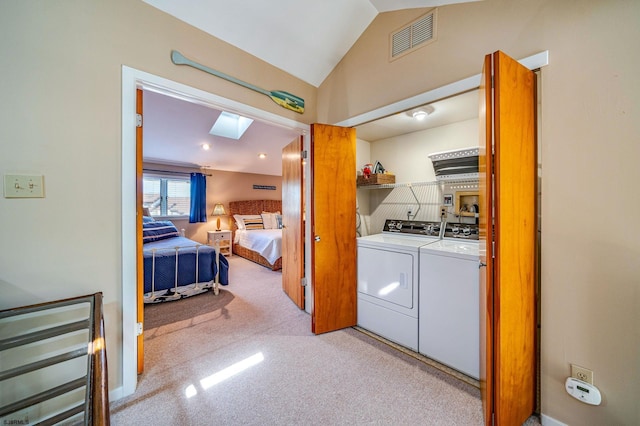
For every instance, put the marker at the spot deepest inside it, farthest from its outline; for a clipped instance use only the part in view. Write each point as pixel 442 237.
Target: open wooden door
pixel 139 259
pixel 486 238
pixel 292 229
pixel 333 227
pixel 508 204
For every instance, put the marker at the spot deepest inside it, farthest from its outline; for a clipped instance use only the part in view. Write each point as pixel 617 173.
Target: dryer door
pixel 387 276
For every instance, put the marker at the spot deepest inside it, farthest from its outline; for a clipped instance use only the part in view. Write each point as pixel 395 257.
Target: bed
pixel 262 246
pixel 199 267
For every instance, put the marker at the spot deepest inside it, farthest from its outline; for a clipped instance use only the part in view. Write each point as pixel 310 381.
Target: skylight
pixel 230 125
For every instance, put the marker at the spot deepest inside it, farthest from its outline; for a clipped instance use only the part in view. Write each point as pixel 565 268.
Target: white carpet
pixel 339 378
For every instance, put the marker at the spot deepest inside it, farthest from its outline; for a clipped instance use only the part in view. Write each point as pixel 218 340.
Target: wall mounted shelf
pixel 464 182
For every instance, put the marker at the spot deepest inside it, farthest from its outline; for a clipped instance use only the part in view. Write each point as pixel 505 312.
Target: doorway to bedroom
pixel 241 171
pixel 222 175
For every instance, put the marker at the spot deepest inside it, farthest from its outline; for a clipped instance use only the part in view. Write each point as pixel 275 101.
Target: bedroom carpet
pixel 248 357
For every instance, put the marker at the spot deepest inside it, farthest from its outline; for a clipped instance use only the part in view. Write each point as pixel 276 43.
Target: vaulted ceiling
pixel 306 38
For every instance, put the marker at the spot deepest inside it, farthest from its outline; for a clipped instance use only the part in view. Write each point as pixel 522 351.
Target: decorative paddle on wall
pixel 284 99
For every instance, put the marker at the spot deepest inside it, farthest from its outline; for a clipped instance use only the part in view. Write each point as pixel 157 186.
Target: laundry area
pixel 418 238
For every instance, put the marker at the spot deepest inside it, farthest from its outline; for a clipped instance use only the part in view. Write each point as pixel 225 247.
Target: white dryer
pixel 449 299
pixel 388 279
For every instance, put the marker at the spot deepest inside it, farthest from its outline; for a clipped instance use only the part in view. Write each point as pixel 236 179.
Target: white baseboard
pixel 550 421
pixel 115 394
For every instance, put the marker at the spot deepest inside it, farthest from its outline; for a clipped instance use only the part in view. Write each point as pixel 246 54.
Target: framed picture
pixel 448 200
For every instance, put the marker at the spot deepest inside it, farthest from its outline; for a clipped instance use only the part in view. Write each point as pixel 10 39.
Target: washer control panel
pixel 461 231
pixel 413 227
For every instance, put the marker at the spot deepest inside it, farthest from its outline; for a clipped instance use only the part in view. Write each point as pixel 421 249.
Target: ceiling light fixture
pixel 421 113
pixel 206 146
pixel 262 155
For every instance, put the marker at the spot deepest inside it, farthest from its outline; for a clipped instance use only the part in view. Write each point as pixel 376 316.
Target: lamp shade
pixel 218 210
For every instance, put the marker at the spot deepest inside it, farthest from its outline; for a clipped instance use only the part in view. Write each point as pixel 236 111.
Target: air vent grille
pixel 401 41
pixel 422 31
pixel 416 34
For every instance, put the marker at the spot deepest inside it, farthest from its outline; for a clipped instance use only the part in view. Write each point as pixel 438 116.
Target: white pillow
pixel 239 222
pixel 269 219
pixel 240 218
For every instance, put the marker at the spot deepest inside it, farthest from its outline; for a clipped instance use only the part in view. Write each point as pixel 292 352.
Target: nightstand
pixel 223 238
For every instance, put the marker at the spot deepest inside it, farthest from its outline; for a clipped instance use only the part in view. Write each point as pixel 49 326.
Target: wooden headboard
pixel 253 207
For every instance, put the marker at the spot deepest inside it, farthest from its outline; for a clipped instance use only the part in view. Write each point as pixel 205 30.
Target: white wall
pixel 363 156
pixel 407 156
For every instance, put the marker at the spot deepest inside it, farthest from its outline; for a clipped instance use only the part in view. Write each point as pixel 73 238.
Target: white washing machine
pixel 449 299
pixel 388 279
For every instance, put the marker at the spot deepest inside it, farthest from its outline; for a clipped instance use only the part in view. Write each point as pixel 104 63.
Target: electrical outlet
pixel 443 212
pixel 582 373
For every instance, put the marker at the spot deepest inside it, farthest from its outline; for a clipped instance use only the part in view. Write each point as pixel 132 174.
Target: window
pixel 166 195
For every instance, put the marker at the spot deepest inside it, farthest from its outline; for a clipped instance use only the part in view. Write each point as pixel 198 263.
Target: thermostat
pixel 583 391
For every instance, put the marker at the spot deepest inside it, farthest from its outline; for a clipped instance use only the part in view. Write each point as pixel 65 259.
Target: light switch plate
pixel 23 186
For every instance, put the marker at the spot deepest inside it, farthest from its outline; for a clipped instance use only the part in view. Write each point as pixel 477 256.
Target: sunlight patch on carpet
pixel 223 375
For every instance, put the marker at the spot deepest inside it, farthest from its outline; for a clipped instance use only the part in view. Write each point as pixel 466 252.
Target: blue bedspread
pixel 165 264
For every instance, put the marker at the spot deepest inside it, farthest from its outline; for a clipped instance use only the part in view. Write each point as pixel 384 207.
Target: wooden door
pixel 486 239
pixel 293 228
pixel 333 227
pixel 139 260
pixel 509 297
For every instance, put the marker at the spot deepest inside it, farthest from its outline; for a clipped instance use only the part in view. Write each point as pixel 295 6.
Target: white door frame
pixel 133 79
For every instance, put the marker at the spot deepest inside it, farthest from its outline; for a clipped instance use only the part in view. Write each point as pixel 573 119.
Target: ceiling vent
pixel 413 36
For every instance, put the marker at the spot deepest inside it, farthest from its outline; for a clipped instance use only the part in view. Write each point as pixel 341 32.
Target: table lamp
pixel 218 210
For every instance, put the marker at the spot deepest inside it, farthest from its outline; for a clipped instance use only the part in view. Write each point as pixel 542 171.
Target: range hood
pixel 456 164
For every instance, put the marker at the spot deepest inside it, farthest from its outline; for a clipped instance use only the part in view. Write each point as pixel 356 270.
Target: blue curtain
pixel 198 211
